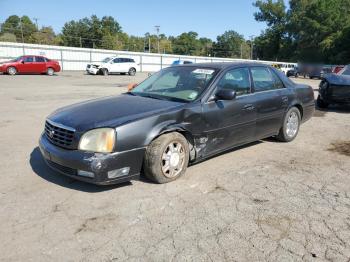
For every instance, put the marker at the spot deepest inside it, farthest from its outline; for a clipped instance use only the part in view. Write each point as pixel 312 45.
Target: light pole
pixel 251 46
pixel 157 29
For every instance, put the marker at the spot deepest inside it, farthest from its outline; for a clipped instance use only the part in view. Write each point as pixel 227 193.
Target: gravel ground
pixel 265 201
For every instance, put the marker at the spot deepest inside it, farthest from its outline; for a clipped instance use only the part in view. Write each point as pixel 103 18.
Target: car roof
pixel 225 65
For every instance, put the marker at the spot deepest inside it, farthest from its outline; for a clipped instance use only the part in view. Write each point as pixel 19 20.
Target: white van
pixel 286 67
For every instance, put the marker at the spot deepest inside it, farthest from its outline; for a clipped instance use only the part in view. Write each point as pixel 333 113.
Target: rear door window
pixel 262 79
pixel 39 59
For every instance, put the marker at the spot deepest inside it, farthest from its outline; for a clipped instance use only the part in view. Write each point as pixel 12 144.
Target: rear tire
pixel 321 103
pixel 132 71
pixel 291 124
pixel 50 71
pixel 166 158
pixel 12 71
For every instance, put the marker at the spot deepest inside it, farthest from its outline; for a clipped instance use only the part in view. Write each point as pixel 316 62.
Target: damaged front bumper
pixel 95 168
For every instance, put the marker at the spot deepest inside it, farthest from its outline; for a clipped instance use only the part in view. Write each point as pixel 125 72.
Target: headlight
pixel 100 140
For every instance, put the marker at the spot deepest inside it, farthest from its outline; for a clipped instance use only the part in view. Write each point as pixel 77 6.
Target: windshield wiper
pixel 151 96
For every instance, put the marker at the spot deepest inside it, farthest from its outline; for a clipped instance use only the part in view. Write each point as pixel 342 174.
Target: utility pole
pixel 21 27
pixel 36 22
pixel 241 50
pixel 251 46
pixel 149 44
pixel 157 29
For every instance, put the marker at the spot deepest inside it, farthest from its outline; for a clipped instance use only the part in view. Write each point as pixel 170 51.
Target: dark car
pixel 181 62
pixel 319 72
pixel 30 64
pixel 293 72
pixel 179 115
pixel 335 89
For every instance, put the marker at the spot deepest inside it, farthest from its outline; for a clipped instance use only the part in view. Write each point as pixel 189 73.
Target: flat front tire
pixel 291 124
pixel 12 70
pixel 104 71
pixel 166 158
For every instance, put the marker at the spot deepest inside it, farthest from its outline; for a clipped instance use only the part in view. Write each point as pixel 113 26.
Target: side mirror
pixel 224 94
pixel 131 86
pixel 22 62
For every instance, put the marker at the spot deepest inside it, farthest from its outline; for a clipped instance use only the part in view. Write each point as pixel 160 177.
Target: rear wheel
pixel 132 71
pixel 12 70
pixel 50 71
pixel 321 103
pixel 166 158
pixel 291 124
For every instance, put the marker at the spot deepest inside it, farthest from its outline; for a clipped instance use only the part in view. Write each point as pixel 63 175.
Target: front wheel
pixel 166 158
pixel 132 71
pixel 291 124
pixel 50 71
pixel 104 71
pixel 12 70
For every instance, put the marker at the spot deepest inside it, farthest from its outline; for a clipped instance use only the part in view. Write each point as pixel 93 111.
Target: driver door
pixel 232 122
pixel 27 65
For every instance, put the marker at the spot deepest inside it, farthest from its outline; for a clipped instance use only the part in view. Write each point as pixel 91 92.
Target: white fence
pixel 72 58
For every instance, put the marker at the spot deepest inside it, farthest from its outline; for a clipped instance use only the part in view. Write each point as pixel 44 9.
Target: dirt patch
pixel 319 113
pixel 341 147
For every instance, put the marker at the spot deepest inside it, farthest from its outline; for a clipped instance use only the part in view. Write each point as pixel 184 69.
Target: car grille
pixel 59 135
pixel 63 169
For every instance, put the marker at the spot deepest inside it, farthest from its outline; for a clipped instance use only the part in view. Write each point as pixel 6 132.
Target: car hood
pixel 110 111
pixel 335 79
pixel 97 64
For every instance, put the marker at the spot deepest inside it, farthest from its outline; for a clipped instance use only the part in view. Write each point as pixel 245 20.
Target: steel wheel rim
pixel 50 71
pixel 132 71
pixel 292 124
pixel 173 159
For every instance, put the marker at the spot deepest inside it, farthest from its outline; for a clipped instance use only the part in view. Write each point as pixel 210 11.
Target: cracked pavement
pixel 267 201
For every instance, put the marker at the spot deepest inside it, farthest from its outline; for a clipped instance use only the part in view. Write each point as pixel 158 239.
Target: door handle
pixel 285 99
pixel 248 107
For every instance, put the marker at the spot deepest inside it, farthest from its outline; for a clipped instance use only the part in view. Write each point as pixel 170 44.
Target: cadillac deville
pixel 178 116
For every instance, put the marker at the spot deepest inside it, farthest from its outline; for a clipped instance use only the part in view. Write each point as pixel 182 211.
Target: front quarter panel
pixel 142 132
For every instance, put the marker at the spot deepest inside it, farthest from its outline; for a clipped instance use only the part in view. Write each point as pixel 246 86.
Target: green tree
pixel 229 44
pixel 186 44
pixel 270 43
pixel 19 26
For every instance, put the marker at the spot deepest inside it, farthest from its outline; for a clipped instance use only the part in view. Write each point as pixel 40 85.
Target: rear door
pixel 124 65
pixel 271 101
pixel 40 64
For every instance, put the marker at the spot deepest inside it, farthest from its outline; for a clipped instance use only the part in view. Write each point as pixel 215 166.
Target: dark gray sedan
pixel 180 115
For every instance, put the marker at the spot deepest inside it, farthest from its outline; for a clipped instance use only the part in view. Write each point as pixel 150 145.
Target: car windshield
pixel 106 59
pixel 345 71
pixel 183 84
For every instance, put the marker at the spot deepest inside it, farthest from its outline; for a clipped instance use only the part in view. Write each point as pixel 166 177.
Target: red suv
pixel 30 64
